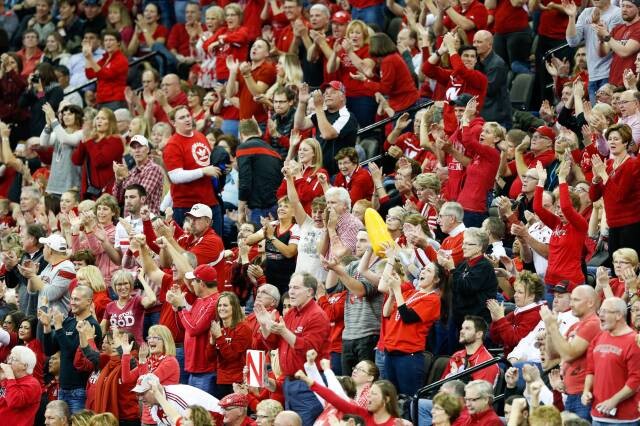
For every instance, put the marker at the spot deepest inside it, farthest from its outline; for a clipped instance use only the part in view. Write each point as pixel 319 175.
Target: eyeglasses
pixel 473 399
pixel 122 283
pixel 529 177
pixel 362 370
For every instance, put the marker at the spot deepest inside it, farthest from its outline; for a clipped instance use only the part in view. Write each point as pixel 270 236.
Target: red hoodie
pixel 509 330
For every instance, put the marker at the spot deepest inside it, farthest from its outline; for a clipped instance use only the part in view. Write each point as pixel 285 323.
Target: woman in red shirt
pixel 617 184
pixel 147 32
pixel 110 71
pixel 230 338
pixel 382 404
pixel 410 313
pixel 529 297
pixel 566 246
pixel 348 58
pixel 230 40
pixel 307 183
pixel 161 361
pixel 97 153
pixel 396 82
pixel 625 283
pixel 27 334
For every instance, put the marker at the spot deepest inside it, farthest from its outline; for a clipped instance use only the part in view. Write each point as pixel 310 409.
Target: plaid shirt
pixel 347 229
pixel 150 176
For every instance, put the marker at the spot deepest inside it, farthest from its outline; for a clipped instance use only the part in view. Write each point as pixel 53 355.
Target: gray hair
pixel 341 193
pixel 32 191
pixel 454 387
pixel 479 236
pixel 454 209
pixel 617 304
pixel 484 388
pixel 322 8
pixel 26 356
pixel 60 408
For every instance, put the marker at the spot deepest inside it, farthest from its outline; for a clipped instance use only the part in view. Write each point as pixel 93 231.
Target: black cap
pixel 462 100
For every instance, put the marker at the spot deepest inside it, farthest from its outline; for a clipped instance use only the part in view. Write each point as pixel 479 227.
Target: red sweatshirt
pixel 566 245
pixel 458 80
pixel 509 330
pixel 621 193
pixel 112 77
pixel 395 82
pixel 228 352
pixel 20 400
pixel 96 159
pixel 359 184
pixel 236 44
pixel 307 186
pixel 196 323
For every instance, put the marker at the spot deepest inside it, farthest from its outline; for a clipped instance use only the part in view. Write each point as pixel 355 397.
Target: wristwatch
pixel 607 37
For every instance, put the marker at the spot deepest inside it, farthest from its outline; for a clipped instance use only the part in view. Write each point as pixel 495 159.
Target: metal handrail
pixel 394 117
pixel 426 389
pixel 132 63
pixel 554 50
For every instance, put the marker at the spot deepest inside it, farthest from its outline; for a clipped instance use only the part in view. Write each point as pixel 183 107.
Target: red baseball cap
pixel 547 132
pixel 341 17
pixel 205 273
pixel 334 84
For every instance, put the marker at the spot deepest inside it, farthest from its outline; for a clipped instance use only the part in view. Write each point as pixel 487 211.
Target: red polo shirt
pixel 311 326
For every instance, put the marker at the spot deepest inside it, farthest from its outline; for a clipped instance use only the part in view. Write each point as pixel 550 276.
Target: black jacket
pixel 472 286
pixel 259 173
pixel 497 104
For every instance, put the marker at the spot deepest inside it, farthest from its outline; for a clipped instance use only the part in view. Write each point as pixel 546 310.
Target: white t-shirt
pixel 308 259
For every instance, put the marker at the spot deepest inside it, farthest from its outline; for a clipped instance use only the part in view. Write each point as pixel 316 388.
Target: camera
pixel 35 78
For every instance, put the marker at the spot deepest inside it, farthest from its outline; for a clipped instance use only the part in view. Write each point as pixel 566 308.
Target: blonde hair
pixel 93 276
pixel 317 152
pixel 235 7
pixel 125 18
pixel 271 407
pixel 109 201
pixel 168 344
pixel 103 419
pixel 628 254
pixel 427 181
pixel 364 28
pixel 122 275
pixel 497 130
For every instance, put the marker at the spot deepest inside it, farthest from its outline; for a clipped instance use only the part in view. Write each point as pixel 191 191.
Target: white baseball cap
pixel 144 383
pixel 55 242
pixel 200 210
pixel 140 139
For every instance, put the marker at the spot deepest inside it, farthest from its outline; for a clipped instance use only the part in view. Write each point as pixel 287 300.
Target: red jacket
pixel 458 80
pixel 360 185
pixel 20 400
pixel 509 330
pixel 621 194
pixel 480 173
pixel 96 159
pixel 457 173
pixel 395 82
pixel 461 361
pixel 196 323
pixel 112 77
pixel 228 352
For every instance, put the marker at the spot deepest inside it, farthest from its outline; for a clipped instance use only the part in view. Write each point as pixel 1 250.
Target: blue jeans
pixel 370 15
pixel 184 376
pixel 230 127
pixel 179 213
pixel 574 405
pixel 380 356
pixel 179 7
pixel 256 214
pixel 75 398
pixel 406 372
pixel 203 381
pixel 363 107
pixel 299 398
pixel 171 64
pixel 474 219
pixel 336 363
pixel 593 88
pixel 424 412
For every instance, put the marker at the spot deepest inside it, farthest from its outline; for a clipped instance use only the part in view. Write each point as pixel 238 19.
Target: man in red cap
pixel 335 126
pixel 196 321
pixel 540 149
pixel 323 42
pixel 234 406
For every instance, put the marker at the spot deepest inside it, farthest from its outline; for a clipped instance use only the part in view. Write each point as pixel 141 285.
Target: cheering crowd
pixel 206 219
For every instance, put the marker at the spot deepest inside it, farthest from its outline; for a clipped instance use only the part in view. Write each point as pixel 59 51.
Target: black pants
pixel 356 350
pixel 624 236
pixel 513 46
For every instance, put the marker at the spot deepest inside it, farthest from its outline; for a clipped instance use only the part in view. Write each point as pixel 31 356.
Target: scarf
pixel 106 399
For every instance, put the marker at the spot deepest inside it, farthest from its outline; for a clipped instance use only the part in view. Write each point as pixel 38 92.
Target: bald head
pixel 583 301
pixel 483 42
pixel 170 85
pixel 287 418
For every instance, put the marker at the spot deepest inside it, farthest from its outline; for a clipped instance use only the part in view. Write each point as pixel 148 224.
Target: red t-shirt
pixel 614 360
pixel 574 372
pixel 476 12
pixel 509 19
pixel 265 73
pixel 623 33
pixel 410 338
pixel 553 23
pixel 333 306
pixel 189 153
pixel 128 318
